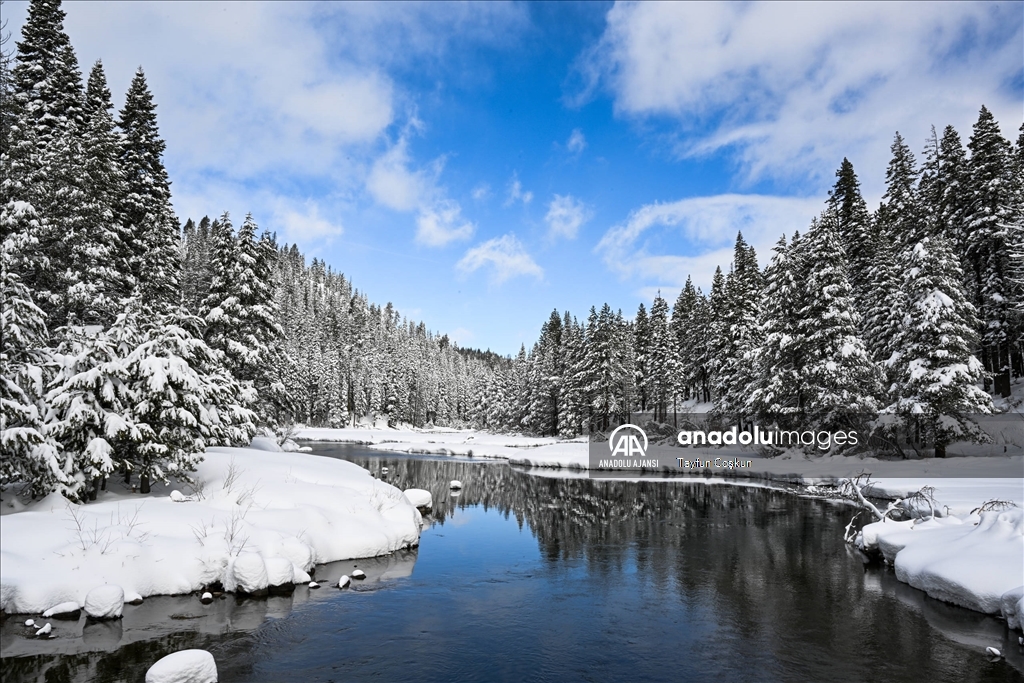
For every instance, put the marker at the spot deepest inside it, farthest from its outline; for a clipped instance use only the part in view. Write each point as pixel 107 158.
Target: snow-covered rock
pixel 65 610
pixel 1012 607
pixel 185 666
pixel 206 598
pixel 993 651
pixel 314 584
pixel 358 574
pixel 246 573
pixel 104 602
pixel 44 631
pixel 455 485
pixel 30 622
pixel 420 498
pixel 344 581
pixel 280 573
pixel 178 497
pixel 972 562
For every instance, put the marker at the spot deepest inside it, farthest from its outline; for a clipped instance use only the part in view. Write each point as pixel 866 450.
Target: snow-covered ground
pixel 972 560
pixel 260 519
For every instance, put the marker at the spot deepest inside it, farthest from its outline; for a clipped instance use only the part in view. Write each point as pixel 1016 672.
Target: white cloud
pixel 441 224
pixel 565 216
pixel 793 88
pixel 506 257
pixel 392 184
pixel 516 193
pixel 307 225
pixel 708 225
pixel 461 336
pixel 577 142
pixel 481 192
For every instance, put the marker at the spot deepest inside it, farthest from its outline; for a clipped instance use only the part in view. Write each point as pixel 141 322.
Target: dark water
pixel 532 578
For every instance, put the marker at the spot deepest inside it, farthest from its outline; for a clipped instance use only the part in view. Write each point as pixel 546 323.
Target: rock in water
pixel 104 602
pixel 455 485
pixel 314 584
pixel 344 581
pixel 419 498
pixel 65 610
pixel 358 574
pixel 45 631
pixel 993 651
pixel 30 622
pixel 185 666
pixel 206 598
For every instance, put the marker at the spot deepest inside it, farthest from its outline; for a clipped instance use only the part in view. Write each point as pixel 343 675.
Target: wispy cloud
pixel 701 232
pixel 791 89
pixel 442 224
pixel 504 256
pixel 566 214
pixel 516 193
pixel 576 142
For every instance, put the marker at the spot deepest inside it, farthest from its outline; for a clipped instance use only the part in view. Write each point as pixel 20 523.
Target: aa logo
pixel 624 442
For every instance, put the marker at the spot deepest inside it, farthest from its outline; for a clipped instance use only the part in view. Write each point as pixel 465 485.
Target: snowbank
pixel 259 517
pixel 421 498
pixel 185 666
pixel 975 562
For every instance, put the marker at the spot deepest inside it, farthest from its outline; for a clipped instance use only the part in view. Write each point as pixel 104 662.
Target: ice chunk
pixel 185 666
pixel 105 602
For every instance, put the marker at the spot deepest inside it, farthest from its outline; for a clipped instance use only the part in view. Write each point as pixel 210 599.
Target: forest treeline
pixel 131 342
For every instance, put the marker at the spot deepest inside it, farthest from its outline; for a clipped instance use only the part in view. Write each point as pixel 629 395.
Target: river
pixel 524 576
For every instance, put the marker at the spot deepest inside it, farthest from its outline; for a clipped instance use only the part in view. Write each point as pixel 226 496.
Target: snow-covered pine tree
pixel 899 226
pixel 839 380
pixel 717 333
pixel 146 208
pixel 661 360
pixel 572 407
pixel 547 372
pixel 28 454
pixel 855 229
pixel 43 152
pixel 682 314
pixel 100 250
pixel 642 357
pixel 778 394
pixel 936 374
pixel 739 330
pixel 91 402
pixel 988 220
pixel 183 398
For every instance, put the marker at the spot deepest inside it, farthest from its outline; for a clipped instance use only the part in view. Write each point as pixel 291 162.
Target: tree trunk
pixel 143 483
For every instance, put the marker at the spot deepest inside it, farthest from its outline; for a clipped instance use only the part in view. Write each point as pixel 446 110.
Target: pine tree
pixel 642 354
pixel 28 454
pixel 936 372
pixel 685 339
pixel 855 230
pixel 989 219
pixel 146 207
pixel 778 394
pixel 661 361
pixel 547 377
pixel 739 336
pixel 839 379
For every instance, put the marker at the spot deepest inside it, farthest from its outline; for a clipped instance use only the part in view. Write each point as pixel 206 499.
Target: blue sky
pixel 480 164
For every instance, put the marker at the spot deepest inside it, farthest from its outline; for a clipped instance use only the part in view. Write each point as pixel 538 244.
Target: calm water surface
pixel 526 577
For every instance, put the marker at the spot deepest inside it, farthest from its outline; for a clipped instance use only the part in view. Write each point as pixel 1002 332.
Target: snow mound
pixel 265 443
pixel 105 602
pixel 975 562
pixel 246 573
pixel 63 609
pixel 263 517
pixel 1012 607
pixel 186 666
pixel 420 498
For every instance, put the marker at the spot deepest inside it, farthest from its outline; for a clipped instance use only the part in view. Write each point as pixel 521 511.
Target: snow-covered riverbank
pixel 970 559
pixel 259 519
